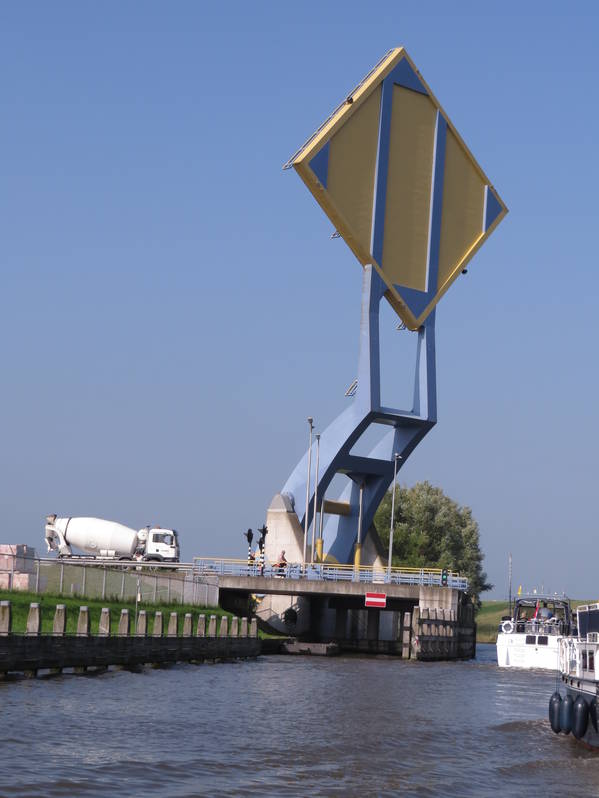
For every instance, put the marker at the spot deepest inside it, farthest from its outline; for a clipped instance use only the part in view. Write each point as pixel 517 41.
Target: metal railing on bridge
pixel 328 571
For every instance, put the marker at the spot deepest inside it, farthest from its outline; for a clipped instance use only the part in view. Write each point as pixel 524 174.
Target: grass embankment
pixel 489 617
pixel 20 601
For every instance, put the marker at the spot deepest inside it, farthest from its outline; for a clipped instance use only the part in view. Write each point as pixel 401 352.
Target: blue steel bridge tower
pixel 370 476
pixel 405 193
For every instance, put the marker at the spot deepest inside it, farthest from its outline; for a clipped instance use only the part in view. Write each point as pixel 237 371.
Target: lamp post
pixel 319 541
pixel 396 460
pixel 315 495
pixel 311 425
pixel 358 546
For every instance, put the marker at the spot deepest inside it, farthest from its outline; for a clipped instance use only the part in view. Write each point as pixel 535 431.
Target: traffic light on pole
pixel 444 577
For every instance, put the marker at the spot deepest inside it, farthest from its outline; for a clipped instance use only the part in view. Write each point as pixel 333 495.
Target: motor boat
pixel 573 708
pixel 529 638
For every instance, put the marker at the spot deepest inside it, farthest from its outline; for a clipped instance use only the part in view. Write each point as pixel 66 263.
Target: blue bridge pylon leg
pixel 372 473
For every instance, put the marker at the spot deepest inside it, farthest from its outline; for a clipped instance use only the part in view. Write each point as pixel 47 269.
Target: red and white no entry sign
pixel 376 600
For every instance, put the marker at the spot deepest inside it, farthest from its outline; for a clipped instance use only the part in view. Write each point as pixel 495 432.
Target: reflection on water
pixel 289 726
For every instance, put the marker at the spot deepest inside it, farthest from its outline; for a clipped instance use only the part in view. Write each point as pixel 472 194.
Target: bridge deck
pixel 324 578
pixel 313 587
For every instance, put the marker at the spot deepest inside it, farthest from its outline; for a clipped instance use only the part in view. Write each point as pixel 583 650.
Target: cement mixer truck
pixel 109 540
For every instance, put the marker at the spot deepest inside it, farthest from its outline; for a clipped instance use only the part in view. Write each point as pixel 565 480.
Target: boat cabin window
pixel 588 621
pixel 584 660
pixel 591 660
pixel 530 640
pixel 542 640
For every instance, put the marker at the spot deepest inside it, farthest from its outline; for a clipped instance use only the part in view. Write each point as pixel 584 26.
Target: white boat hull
pixel 514 652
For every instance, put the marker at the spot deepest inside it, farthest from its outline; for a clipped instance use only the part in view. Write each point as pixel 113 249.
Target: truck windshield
pixel 163 537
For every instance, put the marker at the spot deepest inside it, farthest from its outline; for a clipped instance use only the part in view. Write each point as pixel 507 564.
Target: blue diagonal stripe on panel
pixel 404 75
pixel 492 208
pixel 418 300
pixel 382 169
pixel 437 205
pixel 320 165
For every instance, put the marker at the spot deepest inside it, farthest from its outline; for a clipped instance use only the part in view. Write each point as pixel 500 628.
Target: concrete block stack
pixel 17 566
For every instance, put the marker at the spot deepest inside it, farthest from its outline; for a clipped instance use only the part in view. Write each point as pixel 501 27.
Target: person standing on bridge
pixel 282 562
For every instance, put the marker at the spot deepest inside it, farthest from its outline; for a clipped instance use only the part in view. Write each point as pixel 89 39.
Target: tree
pixel 431 530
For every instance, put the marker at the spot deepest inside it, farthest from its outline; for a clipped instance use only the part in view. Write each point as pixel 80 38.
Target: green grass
pixel 20 601
pixel 487 620
pixel 489 617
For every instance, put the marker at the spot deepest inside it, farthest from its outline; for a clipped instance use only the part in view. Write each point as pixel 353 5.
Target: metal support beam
pixel 406 429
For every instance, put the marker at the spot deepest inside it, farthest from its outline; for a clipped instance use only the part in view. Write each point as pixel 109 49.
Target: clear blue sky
pixel 173 308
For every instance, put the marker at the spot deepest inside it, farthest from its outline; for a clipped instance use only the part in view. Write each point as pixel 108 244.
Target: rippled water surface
pixel 289 726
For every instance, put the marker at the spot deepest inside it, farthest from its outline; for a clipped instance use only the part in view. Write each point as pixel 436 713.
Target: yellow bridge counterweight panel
pixel 352 162
pixel 400 185
pixel 463 204
pixel 407 212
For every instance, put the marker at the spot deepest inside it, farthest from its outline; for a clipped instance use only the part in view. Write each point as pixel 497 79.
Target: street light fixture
pixel 396 460
pixel 311 425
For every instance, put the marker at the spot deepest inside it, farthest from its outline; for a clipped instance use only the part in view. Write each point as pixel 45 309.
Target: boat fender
pixel 580 717
pixel 593 713
pixel 554 708
pixel 565 714
pixel 507 627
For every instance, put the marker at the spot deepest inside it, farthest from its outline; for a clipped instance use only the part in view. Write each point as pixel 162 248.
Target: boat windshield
pixel 530 614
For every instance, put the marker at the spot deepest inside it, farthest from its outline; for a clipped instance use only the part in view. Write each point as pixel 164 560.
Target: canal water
pixel 284 726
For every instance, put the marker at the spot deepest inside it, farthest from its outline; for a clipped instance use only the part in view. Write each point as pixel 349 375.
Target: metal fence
pixel 124 582
pixel 335 573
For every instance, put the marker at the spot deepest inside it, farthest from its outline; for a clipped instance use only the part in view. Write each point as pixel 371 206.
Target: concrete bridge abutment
pixel 419 621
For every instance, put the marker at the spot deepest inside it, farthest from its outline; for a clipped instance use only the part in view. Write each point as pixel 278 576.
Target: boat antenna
pixel 510 581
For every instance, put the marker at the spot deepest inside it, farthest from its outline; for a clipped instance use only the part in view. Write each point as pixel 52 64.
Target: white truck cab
pixel 158 544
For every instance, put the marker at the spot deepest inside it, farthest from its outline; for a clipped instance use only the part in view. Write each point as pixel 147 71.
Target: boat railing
pixel 552 626
pixel 579 657
pixel 569 656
